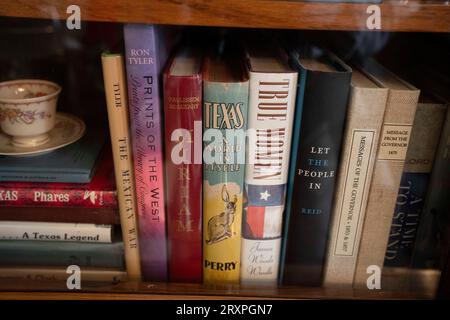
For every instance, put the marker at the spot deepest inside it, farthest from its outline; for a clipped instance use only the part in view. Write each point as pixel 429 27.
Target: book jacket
pixel 322 97
pixel 225 106
pixel 183 144
pixel 435 215
pixel 146 51
pixel 270 120
pixel 414 183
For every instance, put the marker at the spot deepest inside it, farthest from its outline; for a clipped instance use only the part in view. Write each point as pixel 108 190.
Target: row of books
pixel 59 209
pixel 265 165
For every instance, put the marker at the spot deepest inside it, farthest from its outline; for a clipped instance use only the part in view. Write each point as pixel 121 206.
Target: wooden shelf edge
pixel 142 291
pixel 396 15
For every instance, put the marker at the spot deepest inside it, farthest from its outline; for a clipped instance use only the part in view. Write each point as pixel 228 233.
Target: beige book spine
pixel 117 104
pixel 61 274
pixel 364 121
pixel 393 144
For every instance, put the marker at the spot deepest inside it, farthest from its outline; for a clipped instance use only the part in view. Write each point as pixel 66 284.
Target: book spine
pixel 117 104
pixel 49 253
pixel 183 134
pixel 270 120
pixel 364 120
pixel 71 215
pixel 414 183
pixel 59 198
pixel 393 144
pixel 142 61
pixel 17 273
pixel 223 180
pixel 62 177
pixel 313 174
pixel 47 231
pixel 436 208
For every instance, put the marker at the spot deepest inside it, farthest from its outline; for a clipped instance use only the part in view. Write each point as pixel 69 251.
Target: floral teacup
pixel 28 110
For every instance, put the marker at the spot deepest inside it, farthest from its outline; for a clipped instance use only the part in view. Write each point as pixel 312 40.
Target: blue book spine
pixel 408 209
pixel 408 212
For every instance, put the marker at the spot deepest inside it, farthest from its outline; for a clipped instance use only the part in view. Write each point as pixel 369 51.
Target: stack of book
pixel 60 209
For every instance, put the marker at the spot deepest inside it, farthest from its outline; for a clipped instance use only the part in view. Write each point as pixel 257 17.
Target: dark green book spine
pixel 48 253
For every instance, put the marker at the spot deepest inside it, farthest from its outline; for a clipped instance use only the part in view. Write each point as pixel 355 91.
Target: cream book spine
pixel 117 104
pixel 393 144
pixel 364 120
pixel 55 231
pixel 270 119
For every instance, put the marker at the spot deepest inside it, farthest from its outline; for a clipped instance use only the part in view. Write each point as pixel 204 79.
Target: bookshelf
pixel 404 16
pixel 397 15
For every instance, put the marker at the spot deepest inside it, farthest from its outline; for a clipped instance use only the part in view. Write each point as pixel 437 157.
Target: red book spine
pixel 29 196
pixel 100 193
pixel 183 126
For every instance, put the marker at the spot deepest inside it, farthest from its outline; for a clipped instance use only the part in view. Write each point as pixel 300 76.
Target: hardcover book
pixel 55 231
pixel 365 113
pixel 428 246
pixel 54 253
pixel 57 214
pixel 183 146
pixel 74 163
pixel 414 182
pixel 322 99
pixel 146 50
pixel 225 105
pixel 117 105
pixel 393 143
pixel 100 193
pixel 273 86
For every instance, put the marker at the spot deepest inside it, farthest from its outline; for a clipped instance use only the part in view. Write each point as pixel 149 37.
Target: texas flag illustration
pixel 262 222
pixel 263 213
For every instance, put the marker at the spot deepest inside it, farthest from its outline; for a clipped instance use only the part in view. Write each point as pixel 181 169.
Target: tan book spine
pixel 117 104
pixel 61 274
pixel 393 143
pixel 364 120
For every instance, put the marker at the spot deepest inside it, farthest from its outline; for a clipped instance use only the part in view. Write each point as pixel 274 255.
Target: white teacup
pixel 28 110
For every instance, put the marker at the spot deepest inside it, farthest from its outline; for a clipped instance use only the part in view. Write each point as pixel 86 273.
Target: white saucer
pixel 67 130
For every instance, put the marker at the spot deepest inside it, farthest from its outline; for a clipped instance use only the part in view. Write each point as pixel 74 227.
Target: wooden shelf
pixel 422 285
pixel 136 290
pixel 397 15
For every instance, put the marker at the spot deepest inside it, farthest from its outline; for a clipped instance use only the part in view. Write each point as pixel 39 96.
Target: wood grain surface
pixel 135 290
pixel 397 15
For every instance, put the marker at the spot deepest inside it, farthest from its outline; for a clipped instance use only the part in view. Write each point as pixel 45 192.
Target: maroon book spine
pixel 183 126
pixel 100 193
pixel 53 214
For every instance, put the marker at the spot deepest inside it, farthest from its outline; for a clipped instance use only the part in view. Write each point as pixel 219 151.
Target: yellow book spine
pixel 222 219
